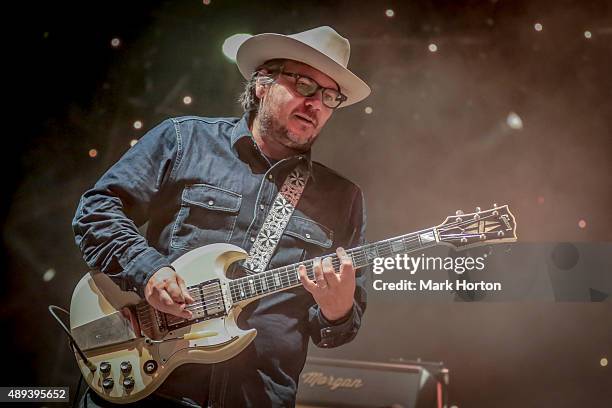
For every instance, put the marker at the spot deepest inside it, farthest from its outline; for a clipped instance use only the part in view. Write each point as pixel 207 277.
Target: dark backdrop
pixel 442 134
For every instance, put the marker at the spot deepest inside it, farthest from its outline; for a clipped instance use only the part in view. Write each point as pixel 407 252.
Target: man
pixel 199 181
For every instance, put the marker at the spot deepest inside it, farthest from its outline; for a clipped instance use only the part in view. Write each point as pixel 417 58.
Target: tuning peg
pixel 463 240
pixel 458 212
pixel 500 233
pixel 476 216
pixel 494 205
pixel 477 209
pixel 482 237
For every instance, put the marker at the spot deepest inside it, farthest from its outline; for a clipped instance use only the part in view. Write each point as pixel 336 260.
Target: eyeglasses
pixel 306 86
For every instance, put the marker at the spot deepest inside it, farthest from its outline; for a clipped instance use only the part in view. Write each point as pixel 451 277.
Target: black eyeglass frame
pixel 340 97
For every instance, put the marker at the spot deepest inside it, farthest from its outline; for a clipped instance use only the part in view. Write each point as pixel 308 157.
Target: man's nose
pixel 314 101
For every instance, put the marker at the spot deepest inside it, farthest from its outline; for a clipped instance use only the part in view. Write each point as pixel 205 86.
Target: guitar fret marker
pixel 427 237
pixel 397 246
pixel 251 286
pixel 372 253
pixel 264 284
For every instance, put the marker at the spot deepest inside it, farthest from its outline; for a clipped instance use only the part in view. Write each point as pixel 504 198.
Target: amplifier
pixel 333 383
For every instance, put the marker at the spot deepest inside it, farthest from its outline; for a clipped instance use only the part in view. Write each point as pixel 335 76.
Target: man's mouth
pixel 307 119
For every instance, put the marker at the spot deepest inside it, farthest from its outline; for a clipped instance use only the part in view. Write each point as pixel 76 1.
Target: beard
pixel 272 130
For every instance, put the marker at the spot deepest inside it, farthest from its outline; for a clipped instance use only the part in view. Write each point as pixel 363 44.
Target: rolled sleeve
pixel 333 334
pixel 137 273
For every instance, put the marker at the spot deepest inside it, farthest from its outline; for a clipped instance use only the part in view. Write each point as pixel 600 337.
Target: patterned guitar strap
pixel 272 229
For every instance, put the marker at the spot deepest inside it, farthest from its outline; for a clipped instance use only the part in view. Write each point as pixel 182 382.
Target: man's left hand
pixel 332 291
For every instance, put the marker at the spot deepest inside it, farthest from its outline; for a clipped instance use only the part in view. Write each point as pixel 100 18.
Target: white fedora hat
pixel 321 48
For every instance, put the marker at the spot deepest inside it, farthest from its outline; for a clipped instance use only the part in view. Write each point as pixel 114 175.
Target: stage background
pixel 473 102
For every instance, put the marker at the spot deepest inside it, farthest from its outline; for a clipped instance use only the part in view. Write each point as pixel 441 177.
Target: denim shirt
pixel 198 181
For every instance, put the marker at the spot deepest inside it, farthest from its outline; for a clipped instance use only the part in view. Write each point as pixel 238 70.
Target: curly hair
pixel 248 98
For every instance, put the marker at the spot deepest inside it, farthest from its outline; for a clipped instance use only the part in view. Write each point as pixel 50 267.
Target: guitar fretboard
pixel 286 277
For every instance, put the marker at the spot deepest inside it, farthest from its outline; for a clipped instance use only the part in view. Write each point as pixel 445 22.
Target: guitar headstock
pixel 478 228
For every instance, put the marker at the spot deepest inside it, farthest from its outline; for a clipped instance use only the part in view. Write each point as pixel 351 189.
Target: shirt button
pixel 261 206
pixel 308 236
pixel 252 239
pixel 270 177
pixel 211 202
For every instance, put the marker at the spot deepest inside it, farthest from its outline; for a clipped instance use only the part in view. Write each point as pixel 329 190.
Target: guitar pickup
pixel 208 304
pixel 212 297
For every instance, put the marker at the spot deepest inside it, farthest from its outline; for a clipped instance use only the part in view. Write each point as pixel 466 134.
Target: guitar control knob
pixel 108 383
pixel 128 383
pixel 105 367
pixel 126 367
pixel 150 367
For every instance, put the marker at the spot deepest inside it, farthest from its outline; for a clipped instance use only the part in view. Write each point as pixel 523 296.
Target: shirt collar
pixel 242 130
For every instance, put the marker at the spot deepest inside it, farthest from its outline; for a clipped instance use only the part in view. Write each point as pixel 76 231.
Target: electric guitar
pixel 126 348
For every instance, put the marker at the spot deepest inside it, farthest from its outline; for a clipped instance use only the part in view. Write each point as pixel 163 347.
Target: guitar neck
pixel 287 277
pixel 495 225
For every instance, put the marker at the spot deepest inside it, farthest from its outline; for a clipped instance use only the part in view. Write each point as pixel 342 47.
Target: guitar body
pixel 103 323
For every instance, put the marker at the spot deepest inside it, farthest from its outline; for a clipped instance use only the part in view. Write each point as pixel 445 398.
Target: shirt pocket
pixel 302 239
pixel 207 215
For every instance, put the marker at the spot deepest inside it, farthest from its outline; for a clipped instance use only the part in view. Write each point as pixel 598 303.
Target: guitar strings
pixel 256 286
pixel 359 252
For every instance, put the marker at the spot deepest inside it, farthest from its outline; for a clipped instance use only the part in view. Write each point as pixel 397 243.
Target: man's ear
pixel 261 86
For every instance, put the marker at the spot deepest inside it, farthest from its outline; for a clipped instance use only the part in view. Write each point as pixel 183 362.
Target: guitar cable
pixel 73 345
pixel 78 390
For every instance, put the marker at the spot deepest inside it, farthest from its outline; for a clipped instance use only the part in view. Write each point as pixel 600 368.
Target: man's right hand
pixel 166 292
